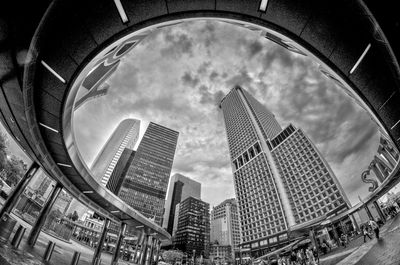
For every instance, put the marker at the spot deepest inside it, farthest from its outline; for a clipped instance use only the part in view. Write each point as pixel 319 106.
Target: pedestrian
pixel 316 254
pixel 310 256
pixel 293 258
pixel 343 240
pixel 374 227
pixel 365 232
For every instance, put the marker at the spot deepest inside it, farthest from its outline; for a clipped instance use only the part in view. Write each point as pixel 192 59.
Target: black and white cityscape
pixel 175 134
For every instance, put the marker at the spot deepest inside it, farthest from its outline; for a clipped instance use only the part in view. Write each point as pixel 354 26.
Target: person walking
pixel 316 254
pixel 310 256
pixel 365 232
pixel 375 227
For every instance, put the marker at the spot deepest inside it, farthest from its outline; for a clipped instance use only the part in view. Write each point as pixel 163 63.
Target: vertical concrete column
pixel 368 212
pixel 121 237
pixel 97 251
pixel 150 259
pixel 379 210
pixel 139 241
pixel 355 224
pixel 158 242
pixel 16 193
pixel 37 227
pixel 144 250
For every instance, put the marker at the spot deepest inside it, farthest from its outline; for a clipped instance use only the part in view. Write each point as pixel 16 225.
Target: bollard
pixel 18 236
pixel 97 261
pixel 49 251
pixel 75 258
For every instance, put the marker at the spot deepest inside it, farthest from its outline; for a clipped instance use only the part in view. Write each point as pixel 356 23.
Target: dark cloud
pixel 177 45
pixel 204 68
pixel 207 97
pixel 361 135
pixel 210 35
pixel 189 80
pixel 276 54
pixel 213 75
pixel 254 48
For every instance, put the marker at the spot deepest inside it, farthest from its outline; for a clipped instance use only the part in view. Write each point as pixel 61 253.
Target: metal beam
pixel 37 227
pixel 118 245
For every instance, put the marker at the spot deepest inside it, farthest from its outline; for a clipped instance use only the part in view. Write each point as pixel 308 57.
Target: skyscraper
pixel 119 172
pixel 180 188
pixel 225 224
pixel 124 136
pixel 145 184
pixel 193 227
pixel 278 174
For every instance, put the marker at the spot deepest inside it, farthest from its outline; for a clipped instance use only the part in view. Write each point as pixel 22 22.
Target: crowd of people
pixel 306 256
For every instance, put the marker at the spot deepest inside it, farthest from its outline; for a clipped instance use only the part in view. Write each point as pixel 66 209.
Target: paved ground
pixel 62 254
pixel 387 249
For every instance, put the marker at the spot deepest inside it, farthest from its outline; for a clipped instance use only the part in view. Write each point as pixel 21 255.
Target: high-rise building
pixel 119 172
pixel 278 174
pixel 225 227
pixel 193 228
pixel 124 136
pixel 180 188
pixel 145 184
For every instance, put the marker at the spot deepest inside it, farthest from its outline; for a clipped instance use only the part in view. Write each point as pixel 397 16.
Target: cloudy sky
pixel 177 76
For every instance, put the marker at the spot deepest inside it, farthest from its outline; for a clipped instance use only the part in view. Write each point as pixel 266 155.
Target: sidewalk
pixel 356 249
pixel 374 251
pixel 62 255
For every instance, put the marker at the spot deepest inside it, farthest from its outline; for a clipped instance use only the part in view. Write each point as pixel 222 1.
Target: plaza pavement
pixel 385 251
pixel 62 255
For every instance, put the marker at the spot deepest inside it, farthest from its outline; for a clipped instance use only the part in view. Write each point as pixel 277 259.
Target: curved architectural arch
pixel 56 43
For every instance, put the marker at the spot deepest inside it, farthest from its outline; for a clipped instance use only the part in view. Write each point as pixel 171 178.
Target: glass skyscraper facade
pixel 270 166
pixel 124 136
pixel 145 184
pixel 180 188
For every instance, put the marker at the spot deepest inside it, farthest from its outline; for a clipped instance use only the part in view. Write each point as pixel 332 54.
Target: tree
pixel 3 150
pixel 15 169
pixel 75 216
pixel 171 256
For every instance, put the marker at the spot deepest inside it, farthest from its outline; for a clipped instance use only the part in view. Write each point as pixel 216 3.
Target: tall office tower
pixel 119 172
pixel 264 167
pixel 193 228
pixel 225 224
pixel 145 184
pixel 180 188
pixel 124 136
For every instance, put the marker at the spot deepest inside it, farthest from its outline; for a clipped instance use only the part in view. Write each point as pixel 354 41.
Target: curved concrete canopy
pixel 45 47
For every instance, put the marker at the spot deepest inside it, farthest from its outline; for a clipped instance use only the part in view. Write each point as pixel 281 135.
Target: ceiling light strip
pixel 360 59
pixel 63 165
pixel 53 72
pixel 48 127
pixel 121 11
pixel 263 5
pixel 397 123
